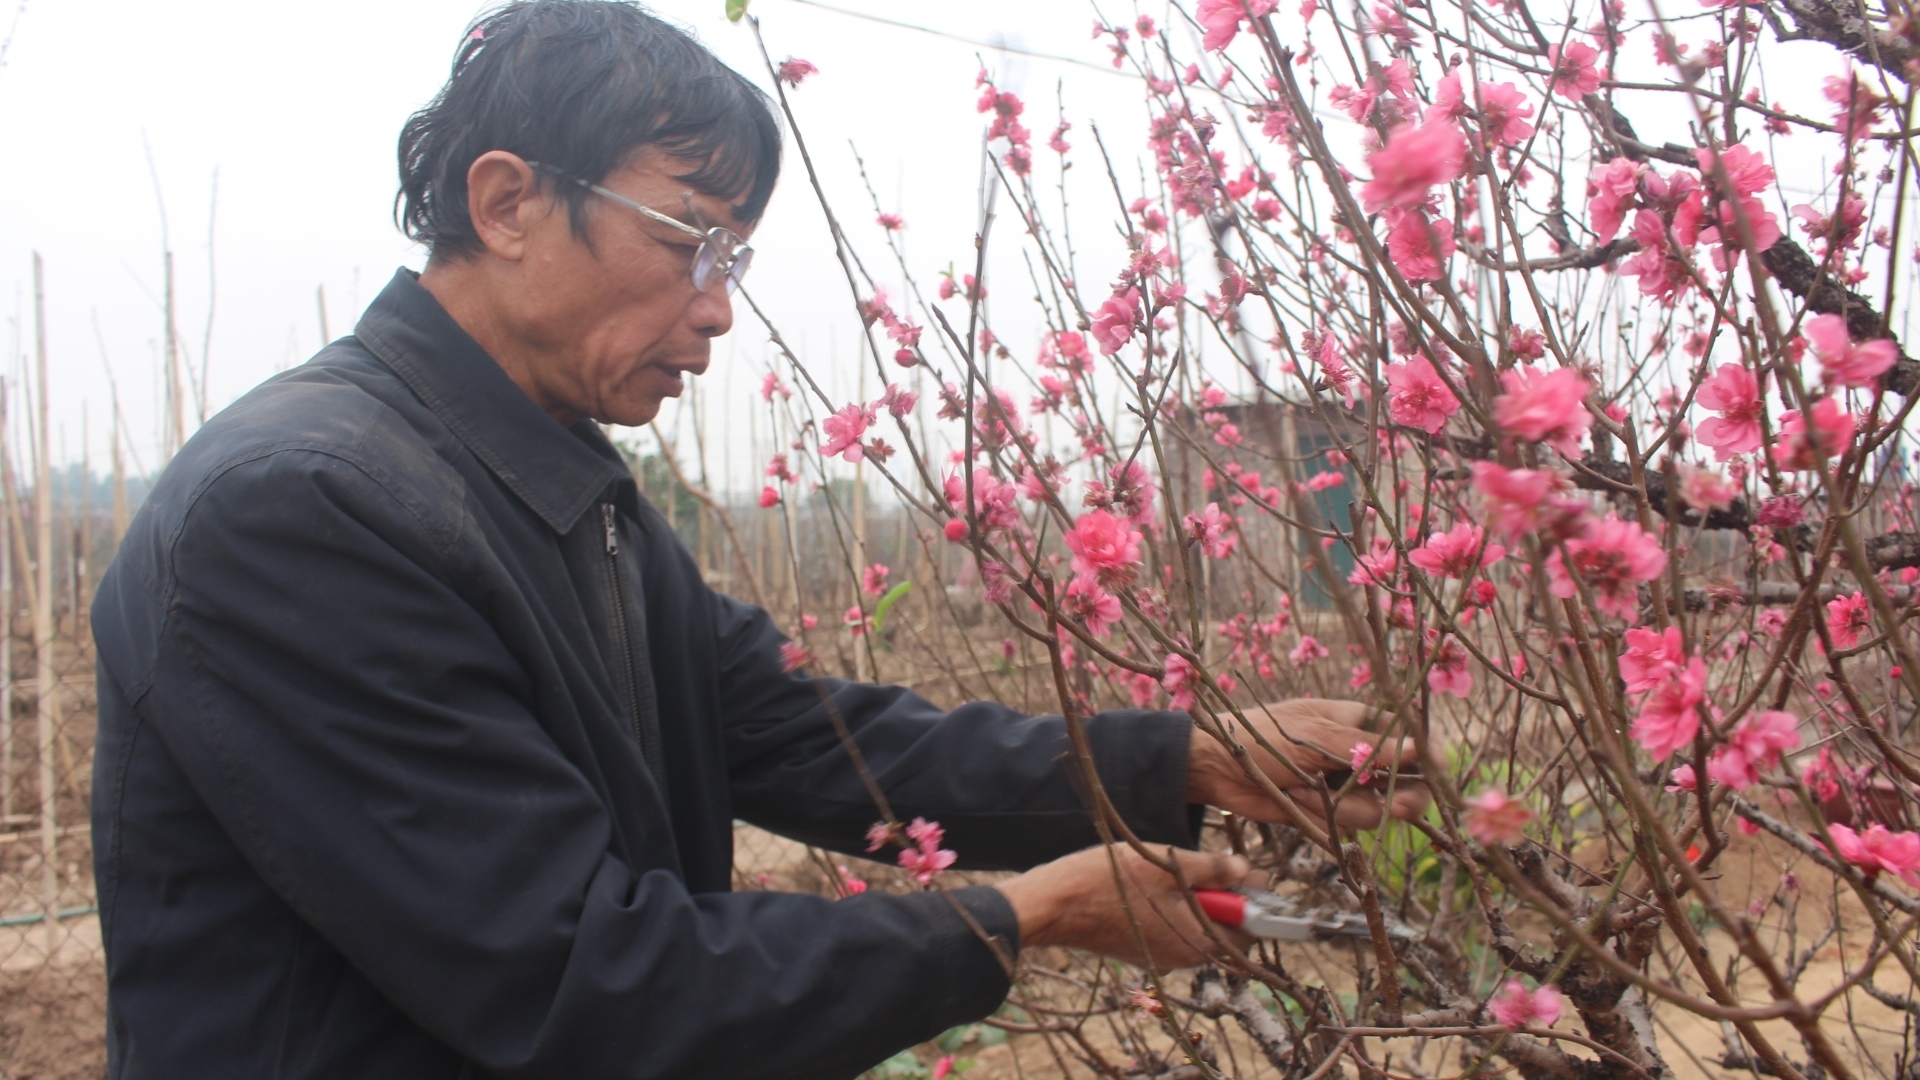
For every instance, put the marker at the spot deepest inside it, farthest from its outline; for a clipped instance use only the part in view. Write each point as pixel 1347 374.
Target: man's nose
pixel 711 312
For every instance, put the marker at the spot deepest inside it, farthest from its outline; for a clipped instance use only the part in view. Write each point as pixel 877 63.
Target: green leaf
pixel 736 9
pixel 886 603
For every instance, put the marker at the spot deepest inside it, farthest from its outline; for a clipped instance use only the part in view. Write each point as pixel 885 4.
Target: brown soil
pixel 52 1020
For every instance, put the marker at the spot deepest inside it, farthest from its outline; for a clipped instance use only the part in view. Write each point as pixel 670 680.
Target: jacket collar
pixel 558 472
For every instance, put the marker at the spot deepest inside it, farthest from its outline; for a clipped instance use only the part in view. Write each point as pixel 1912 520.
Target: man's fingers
pixel 1320 733
pixel 1213 870
pixel 1361 808
pixel 1411 801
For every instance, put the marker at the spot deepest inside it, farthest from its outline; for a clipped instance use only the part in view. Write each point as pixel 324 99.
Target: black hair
pixel 579 86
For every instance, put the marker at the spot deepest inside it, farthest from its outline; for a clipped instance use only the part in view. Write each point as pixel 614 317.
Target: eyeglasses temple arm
pixel 649 211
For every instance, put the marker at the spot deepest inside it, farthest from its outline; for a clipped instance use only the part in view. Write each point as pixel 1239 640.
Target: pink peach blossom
pixel 1308 651
pixel 1747 172
pixel 1756 743
pixel 1847 618
pixel 1113 321
pixel 1411 236
pixel 1574 75
pixel 926 859
pixel 1103 547
pixel 855 621
pixel 1878 849
pixel 844 429
pixel 1451 671
pixel 1414 159
pixel 1085 600
pixel 1613 558
pixel 1526 500
pixel 1457 552
pixel 1180 682
pixel 794 656
pixel 1214 531
pixel 793 71
pixel 1683 779
pixel 1503 114
pixel 1664 275
pixel 1734 393
pixel 1361 760
pixel 1515 1008
pixel 1611 191
pixel 1858 104
pixel 1651 657
pixel 1379 566
pixel 1846 363
pixel 896 401
pixel 1544 407
pixel 1221 19
pixel 1494 817
pixel 1417 397
pixel 1670 716
pixel 1705 489
pixel 1833 430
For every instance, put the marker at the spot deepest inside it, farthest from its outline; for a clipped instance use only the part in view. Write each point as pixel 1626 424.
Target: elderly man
pixel 421 740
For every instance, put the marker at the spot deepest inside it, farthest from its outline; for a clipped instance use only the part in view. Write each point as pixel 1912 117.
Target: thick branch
pixel 1797 273
pixel 1786 260
pixel 1220 994
pixel 1894 550
pixel 1841 25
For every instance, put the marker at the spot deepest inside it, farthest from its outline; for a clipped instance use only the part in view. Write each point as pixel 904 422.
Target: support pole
pixel 43 622
pixel 6 631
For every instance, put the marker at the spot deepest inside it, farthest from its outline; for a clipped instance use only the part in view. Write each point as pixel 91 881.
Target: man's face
pixel 611 327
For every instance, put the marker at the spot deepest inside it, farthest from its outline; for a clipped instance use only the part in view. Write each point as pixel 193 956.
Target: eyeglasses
pixel 723 256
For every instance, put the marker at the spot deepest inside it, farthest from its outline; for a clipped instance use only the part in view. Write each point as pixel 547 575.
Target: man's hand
pixel 1073 901
pixel 1317 736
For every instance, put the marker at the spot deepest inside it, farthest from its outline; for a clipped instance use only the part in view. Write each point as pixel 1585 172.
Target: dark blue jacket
pixel 422 742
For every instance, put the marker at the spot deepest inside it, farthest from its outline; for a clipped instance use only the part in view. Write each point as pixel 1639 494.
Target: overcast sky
pixel 298 108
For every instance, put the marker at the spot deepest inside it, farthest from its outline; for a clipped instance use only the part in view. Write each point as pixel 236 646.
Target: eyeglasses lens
pixel 721 254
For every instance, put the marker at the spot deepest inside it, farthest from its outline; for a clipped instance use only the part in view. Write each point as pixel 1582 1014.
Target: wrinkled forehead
pixel 683 189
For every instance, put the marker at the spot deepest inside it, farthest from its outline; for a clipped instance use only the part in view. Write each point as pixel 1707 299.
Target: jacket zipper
pixel 623 642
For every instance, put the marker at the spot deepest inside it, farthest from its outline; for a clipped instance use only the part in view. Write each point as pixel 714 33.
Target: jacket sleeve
pixel 1004 785
pixel 364 734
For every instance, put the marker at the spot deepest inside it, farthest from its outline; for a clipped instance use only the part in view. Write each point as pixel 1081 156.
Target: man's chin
pixel 631 413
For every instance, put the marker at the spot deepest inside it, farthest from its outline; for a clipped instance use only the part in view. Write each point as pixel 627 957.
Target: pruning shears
pixel 1272 916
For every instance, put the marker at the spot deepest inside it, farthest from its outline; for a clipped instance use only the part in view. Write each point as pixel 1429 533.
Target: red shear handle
pixel 1223 907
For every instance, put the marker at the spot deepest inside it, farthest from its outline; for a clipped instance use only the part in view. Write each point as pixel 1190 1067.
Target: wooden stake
pixel 43 616
pixel 119 479
pixel 83 538
pixel 176 400
pixel 6 620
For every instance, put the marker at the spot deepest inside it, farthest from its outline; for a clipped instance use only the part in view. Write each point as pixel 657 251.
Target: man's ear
pixel 505 202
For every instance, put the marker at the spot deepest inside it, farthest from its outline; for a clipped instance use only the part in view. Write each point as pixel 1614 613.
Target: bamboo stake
pixel 119 479
pixel 6 638
pixel 43 619
pixel 201 391
pixel 82 535
pixel 176 406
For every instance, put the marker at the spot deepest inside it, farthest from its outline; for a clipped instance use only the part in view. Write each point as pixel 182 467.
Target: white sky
pixel 298 108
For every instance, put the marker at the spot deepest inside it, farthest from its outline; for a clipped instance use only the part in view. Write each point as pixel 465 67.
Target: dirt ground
pixel 52 1014
pixel 52 1023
